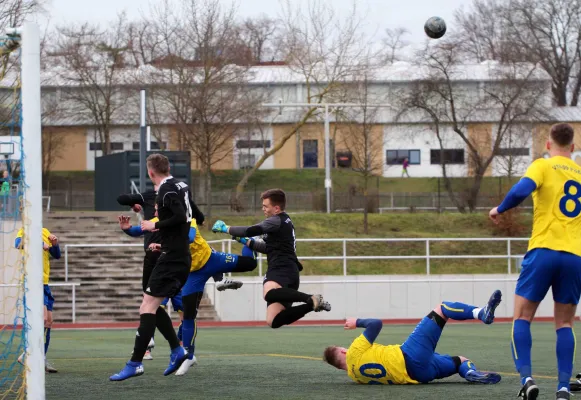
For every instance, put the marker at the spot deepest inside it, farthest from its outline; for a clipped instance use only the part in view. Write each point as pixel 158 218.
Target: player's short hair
pixel 562 134
pixel 277 197
pixel 330 356
pixel 158 163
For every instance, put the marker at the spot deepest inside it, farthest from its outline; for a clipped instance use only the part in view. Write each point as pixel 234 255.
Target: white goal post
pixel 29 36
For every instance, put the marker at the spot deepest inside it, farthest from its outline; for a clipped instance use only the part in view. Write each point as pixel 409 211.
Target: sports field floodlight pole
pixel 32 210
pixel 142 143
pixel 328 181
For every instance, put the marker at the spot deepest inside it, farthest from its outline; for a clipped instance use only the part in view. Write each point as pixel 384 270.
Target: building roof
pixel 400 71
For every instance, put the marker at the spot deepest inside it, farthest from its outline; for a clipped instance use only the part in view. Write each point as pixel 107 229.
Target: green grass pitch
pixel 260 363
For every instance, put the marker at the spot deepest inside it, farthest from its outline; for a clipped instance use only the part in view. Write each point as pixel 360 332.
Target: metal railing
pixel 73 286
pixel 226 246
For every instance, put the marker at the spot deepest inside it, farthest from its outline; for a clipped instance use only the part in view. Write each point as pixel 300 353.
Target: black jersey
pixel 174 210
pixel 279 244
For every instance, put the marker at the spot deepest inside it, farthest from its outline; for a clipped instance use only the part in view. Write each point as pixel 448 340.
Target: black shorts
pixel 148 264
pixel 286 277
pixel 168 276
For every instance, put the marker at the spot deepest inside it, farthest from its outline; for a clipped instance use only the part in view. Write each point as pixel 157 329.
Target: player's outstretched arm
pixel 254 244
pixel 372 327
pixel 130 200
pixel 269 225
pixel 517 194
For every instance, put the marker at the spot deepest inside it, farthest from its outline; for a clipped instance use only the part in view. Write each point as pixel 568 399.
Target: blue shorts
pixel 544 268
pixel 421 361
pixel 48 299
pixel 176 302
pixel 216 264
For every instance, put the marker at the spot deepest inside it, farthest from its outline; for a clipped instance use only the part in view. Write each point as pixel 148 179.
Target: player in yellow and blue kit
pixel 553 259
pixel 415 361
pixel 206 263
pixel 51 248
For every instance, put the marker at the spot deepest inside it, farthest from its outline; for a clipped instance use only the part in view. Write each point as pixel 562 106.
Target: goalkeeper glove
pixel 243 240
pixel 220 226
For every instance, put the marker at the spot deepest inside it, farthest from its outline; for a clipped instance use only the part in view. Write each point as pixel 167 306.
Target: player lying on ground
pixel 553 259
pixel 282 279
pixel 51 248
pixel 145 202
pixel 206 262
pixel 415 361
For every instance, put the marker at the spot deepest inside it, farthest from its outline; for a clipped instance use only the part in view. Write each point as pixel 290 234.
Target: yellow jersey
pixel 45 254
pixel 557 204
pixel 372 363
pixel 200 250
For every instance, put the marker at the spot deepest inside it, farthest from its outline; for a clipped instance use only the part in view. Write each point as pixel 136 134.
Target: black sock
pixel 286 295
pixel 144 334
pixel 165 326
pixel 290 315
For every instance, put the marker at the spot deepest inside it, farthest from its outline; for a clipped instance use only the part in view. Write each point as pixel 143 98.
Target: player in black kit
pixel 174 208
pixel 281 282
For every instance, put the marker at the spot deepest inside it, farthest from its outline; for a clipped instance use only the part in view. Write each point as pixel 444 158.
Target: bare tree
pixel 547 32
pixel 393 43
pixel 482 32
pixel 517 93
pixel 323 51
pixel 53 139
pixel 207 74
pixel 92 62
pixel 258 35
pixel 362 138
pixel 511 159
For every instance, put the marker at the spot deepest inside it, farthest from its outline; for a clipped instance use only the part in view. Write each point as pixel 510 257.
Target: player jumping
pixel 282 280
pixel 415 361
pixel 553 258
pixel 51 248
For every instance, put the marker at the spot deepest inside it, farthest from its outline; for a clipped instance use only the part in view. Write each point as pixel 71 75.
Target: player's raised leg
pixel 461 312
pixel 424 365
pixel 227 283
pixel 279 299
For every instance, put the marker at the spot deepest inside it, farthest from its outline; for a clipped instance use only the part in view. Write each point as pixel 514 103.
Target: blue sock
pixel 46 339
pixel 522 342
pixel 465 367
pixel 180 331
pixel 247 252
pixel 458 311
pixel 189 332
pixel 565 355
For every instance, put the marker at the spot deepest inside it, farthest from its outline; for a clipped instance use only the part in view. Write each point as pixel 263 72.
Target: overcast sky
pixel 381 14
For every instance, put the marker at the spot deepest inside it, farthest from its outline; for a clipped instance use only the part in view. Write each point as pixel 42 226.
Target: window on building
pixel 253 144
pixel 451 156
pixel 514 151
pixel 97 146
pixel 246 160
pixel 396 157
pixel 153 145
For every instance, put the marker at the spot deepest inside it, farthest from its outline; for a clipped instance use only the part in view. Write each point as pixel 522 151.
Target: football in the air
pixel 435 27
